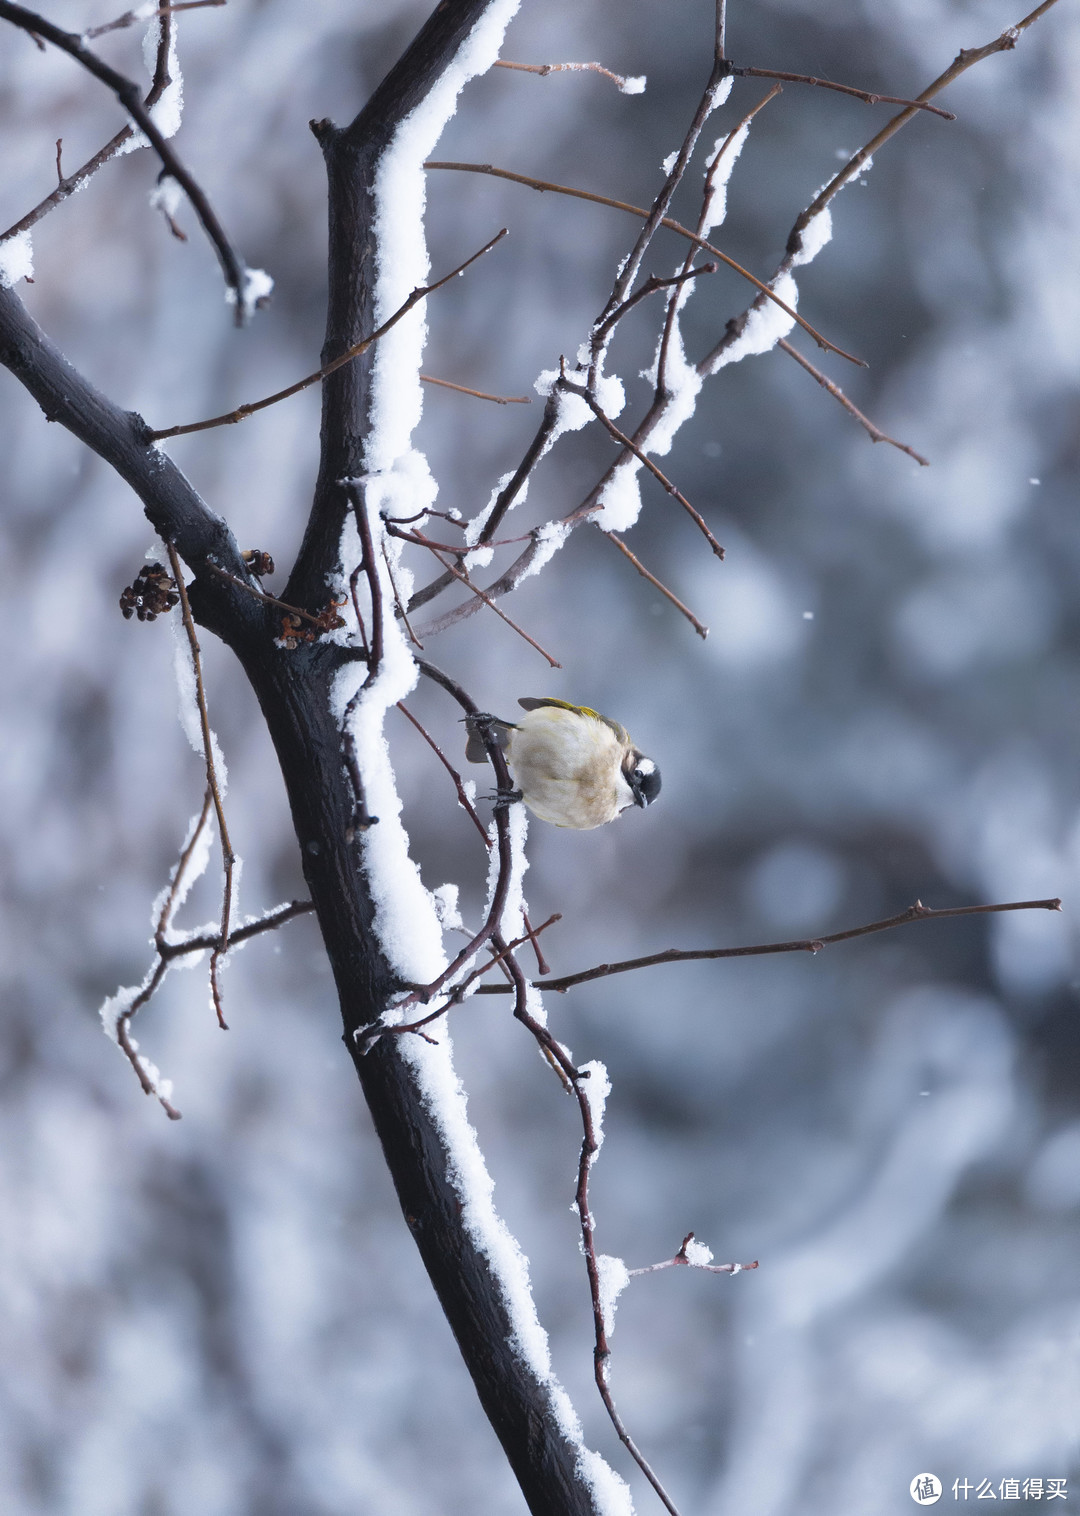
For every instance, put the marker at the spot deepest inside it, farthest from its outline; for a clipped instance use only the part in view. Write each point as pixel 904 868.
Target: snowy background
pixel 226 1315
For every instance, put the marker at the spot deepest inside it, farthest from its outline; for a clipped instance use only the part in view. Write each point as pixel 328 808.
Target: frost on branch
pixel 16 259
pixel 168 110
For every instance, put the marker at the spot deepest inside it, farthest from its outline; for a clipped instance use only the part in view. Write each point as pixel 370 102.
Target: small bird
pixel 572 766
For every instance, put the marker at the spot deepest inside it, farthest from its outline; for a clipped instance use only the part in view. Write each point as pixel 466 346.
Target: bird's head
pixel 642 776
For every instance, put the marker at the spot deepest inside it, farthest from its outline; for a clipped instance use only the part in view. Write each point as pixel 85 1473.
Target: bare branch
pixel 132 18
pixel 463 799
pixel 875 432
pixel 624 84
pixel 242 412
pixel 699 626
pixel 674 226
pixel 964 60
pixel 486 599
pixel 844 89
pixel 127 92
pixel 68 186
pixel 463 389
pixel 916 912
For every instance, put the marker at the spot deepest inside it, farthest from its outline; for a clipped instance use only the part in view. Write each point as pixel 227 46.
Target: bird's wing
pixel 475 749
pixel 528 703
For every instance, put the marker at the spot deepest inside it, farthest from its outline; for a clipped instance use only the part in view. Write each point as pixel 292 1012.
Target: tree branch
pixel 129 96
pixel 916 912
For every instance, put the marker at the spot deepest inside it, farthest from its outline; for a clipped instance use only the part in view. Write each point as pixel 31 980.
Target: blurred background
pixel 226 1315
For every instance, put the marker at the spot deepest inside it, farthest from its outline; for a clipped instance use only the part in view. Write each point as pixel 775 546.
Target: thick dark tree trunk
pixel 293 689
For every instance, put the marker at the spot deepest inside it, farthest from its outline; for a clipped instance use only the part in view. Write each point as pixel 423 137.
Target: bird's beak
pixel 640 799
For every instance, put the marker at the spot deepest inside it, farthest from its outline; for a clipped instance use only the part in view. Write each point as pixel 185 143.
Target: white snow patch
pixel 480 520
pixel 697 1254
pixel 406 918
pixel 479 558
pixel 447 909
pixel 167 112
pixel 815 234
pixel 669 163
pixel 399 191
pixel 614 1277
pixel 596 1090
pixel 765 325
pixel 16 259
pixel 167 195
pixel 620 499
pixel 255 291
pixel 716 206
pixel 190 719
pixel 549 539
pixel 634 85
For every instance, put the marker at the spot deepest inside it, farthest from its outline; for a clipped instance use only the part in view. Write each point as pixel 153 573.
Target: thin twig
pixel 228 857
pixel 503 501
pixel 488 601
pixel 916 912
pixel 201 942
pixel 456 993
pixel 463 389
pixel 560 68
pixel 875 432
pixel 242 412
pixel 128 94
pixel 674 226
pixel 966 58
pixel 681 1260
pixel 399 607
pixel 662 398
pixel 720 31
pixel 844 89
pixel 601 1351
pixel 132 18
pixel 627 442
pixel 651 285
pixel 463 799
pixel 124 1039
pixel 699 626
pixel 284 605
pixel 369 567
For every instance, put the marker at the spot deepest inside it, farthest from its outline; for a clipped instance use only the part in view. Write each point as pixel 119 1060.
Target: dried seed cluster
pixel 153 593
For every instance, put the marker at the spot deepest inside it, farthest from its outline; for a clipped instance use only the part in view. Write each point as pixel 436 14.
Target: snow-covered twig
pixel 128 94
pixel 632 447
pixel 228 857
pixel 765 292
pixel 692 1255
pixel 70 183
